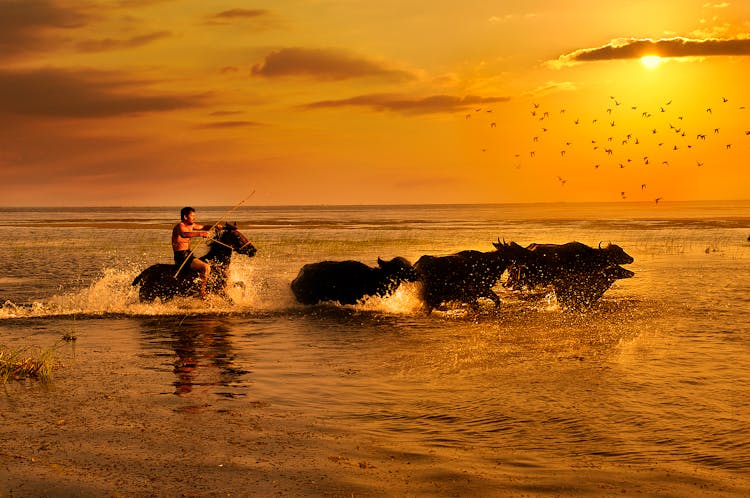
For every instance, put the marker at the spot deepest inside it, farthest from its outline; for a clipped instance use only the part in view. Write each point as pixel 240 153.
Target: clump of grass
pixel 21 364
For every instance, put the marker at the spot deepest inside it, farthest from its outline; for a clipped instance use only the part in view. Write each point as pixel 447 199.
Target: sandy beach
pixel 109 425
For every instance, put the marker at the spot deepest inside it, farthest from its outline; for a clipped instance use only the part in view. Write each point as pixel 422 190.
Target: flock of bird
pixel 625 135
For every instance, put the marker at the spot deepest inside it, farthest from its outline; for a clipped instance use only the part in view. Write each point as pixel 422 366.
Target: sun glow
pixel 651 61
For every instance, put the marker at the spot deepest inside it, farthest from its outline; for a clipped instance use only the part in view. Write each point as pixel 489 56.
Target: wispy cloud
pixel 258 18
pixel 409 105
pixel 229 124
pixel 511 17
pixel 722 5
pixel 240 14
pixel 551 87
pixel 28 26
pixel 323 64
pixel 631 48
pixel 113 44
pixel 80 94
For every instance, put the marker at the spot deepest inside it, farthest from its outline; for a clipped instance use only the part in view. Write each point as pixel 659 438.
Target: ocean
pixel 656 374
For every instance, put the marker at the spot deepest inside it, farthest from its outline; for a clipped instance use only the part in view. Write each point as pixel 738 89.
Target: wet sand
pixel 109 424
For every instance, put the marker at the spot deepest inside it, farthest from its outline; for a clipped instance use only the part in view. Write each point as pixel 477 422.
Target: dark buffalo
pixel 348 282
pixel 588 288
pixel 579 274
pixel 163 281
pixel 465 276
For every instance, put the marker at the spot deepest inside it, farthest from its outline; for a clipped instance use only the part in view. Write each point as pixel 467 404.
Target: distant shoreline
pixel 365 206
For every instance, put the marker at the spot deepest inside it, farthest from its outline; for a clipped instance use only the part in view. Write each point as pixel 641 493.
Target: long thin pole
pixel 223 217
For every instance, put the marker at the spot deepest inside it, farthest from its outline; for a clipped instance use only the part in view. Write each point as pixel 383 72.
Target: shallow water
pixel 657 373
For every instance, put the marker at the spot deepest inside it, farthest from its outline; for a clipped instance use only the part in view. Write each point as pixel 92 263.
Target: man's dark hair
pixel 186 211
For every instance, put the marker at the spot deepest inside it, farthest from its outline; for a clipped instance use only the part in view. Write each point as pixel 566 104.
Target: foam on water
pixel 249 292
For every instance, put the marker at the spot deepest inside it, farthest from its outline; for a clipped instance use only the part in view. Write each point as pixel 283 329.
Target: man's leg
pixel 203 269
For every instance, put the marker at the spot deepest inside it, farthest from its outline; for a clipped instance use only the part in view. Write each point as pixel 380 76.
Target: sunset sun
pixel 651 61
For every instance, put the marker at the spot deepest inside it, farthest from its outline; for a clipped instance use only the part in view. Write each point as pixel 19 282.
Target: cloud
pixel 323 64
pixel 258 18
pixel 139 3
pixel 80 94
pixel 28 25
pixel 632 48
pixel 112 44
pixel 240 14
pixel 551 87
pixel 229 124
pixel 511 17
pixel 406 105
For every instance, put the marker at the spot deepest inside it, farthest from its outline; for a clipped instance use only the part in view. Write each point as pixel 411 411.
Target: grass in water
pixel 20 364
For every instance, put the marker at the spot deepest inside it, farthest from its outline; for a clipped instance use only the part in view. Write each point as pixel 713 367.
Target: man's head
pixel 185 212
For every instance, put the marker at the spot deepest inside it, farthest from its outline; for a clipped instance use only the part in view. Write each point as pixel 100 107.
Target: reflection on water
pixel 656 373
pixel 200 352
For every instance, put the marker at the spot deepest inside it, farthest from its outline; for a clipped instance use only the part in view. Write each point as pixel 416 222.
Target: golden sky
pixel 195 102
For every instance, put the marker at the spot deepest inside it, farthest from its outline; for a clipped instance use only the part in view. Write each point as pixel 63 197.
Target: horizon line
pixel 529 203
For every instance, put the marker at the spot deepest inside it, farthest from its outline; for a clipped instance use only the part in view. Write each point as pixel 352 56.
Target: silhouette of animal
pixel 348 282
pixel 588 288
pixel 579 274
pixel 465 276
pixel 546 262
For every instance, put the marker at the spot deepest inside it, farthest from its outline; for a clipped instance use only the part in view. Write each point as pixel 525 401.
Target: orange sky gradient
pixel 189 102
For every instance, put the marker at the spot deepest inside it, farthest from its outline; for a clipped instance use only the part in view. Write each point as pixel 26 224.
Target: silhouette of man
pixel 182 232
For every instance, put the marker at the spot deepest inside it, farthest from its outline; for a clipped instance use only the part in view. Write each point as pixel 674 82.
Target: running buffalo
pixel 348 282
pixel 579 274
pixel 465 276
pixel 588 287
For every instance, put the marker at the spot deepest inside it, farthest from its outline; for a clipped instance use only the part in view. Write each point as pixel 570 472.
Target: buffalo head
pixel 510 250
pixel 399 269
pixel 616 254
